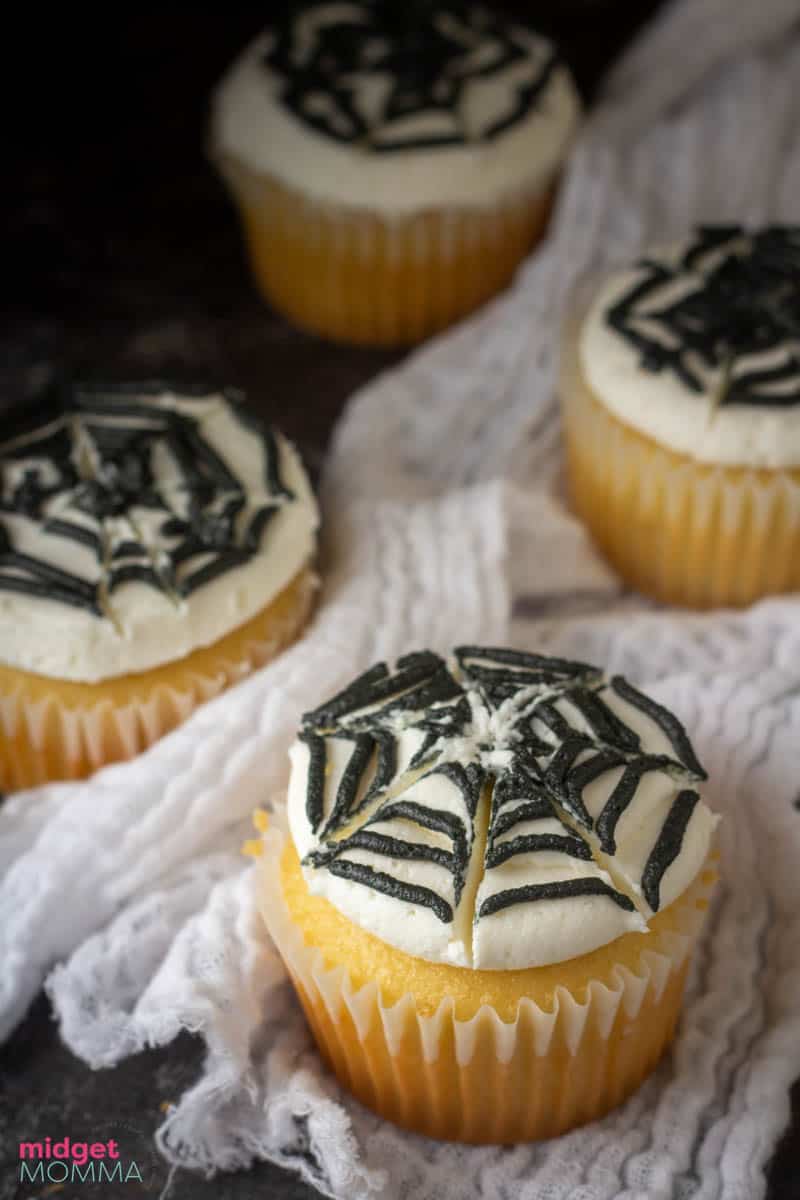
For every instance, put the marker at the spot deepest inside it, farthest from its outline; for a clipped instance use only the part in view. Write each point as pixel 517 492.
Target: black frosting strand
pixel 533 843
pixel 428 818
pixel 386 846
pixel 605 725
pixel 386 768
pixel 468 779
pixel 668 846
pixel 578 777
pixel 533 810
pixel 562 889
pixel 622 795
pixel 667 722
pixel 417 681
pixel 74 532
pixel 379 881
pixel 541 664
pixel 350 783
pixel 315 784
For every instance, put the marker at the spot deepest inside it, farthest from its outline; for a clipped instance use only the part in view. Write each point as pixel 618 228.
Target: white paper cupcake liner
pixel 361 276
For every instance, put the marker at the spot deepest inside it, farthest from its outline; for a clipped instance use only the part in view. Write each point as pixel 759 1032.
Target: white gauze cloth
pixel 443 502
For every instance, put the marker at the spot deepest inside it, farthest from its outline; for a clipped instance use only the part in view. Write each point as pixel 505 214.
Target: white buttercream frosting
pixel 719 378
pixel 496 811
pixel 141 525
pixel 332 141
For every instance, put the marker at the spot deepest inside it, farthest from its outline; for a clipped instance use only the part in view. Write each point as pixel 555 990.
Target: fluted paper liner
pixel 54 729
pixel 356 275
pixel 486 1080
pixel 698 534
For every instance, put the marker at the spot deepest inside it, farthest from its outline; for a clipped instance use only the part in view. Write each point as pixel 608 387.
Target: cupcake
pixel 155 546
pixel 681 399
pixel 488 888
pixel 391 164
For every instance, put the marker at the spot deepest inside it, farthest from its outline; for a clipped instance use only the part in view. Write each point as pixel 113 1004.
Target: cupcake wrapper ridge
pixel 358 276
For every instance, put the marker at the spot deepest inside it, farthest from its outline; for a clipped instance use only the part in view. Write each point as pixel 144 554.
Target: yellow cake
pixel 157 546
pixel 681 398
pixel 487 893
pixel 391 171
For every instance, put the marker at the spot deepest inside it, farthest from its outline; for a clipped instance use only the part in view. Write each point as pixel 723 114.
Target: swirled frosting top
pixel 698 346
pixel 496 810
pixel 398 107
pixel 137 523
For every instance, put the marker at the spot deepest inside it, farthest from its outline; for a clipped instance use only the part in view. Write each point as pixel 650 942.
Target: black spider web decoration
pixel 80 468
pixel 554 754
pixel 747 304
pixel 428 53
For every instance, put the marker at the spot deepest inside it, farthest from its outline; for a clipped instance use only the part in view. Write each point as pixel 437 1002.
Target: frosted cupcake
pixel 391 165
pixel 494 872
pixel 681 395
pixel 155 546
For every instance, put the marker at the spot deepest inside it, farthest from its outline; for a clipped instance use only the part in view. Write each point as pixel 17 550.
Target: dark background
pixel 120 242
pixel 122 257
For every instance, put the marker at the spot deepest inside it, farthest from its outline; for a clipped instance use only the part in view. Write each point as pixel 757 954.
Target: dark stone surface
pixel 123 257
pixel 46 1092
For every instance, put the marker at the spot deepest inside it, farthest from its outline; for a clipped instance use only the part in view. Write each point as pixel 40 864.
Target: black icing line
pixel 315 780
pixel 604 724
pixel 385 846
pixel 557 773
pixel 621 797
pixel 75 533
pixel 129 549
pixel 368 689
pixel 668 846
pixel 554 720
pixel 426 817
pixel 710 238
pixel 273 480
pixel 527 97
pixel 551 667
pixel 352 777
pixel 258 523
pixel 386 768
pixel 197 459
pixel 562 889
pixel 39 589
pixel 579 777
pixel 533 843
pixel 223 562
pixel 533 810
pixel 468 779
pixel 666 721
pixel 379 881
pixel 43 579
